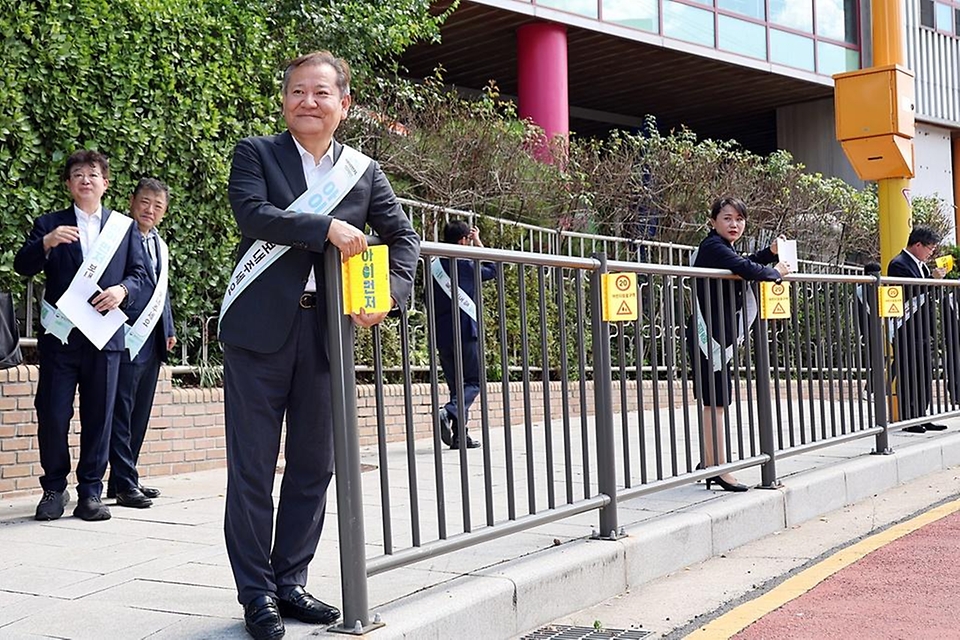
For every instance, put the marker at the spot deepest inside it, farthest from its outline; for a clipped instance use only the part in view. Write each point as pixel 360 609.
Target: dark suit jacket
pixel 266 177
pixel 922 323
pixel 716 253
pixel 164 328
pixel 127 267
pixel 466 278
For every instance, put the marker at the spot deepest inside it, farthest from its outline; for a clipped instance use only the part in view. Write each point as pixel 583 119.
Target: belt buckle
pixel 308 300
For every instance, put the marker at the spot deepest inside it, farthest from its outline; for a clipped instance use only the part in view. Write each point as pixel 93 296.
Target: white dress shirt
pixel 313 171
pixel 89 225
pixel 922 266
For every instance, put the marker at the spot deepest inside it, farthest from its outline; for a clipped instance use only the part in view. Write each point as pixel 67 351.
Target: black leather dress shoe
pixel 300 605
pixel 262 620
pixel 150 492
pixel 917 428
pixel 446 428
pixel 91 509
pixel 133 498
pixel 51 505
pixel 931 426
pixel 471 443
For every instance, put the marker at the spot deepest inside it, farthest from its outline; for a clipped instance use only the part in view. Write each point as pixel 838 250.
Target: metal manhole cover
pixel 568 632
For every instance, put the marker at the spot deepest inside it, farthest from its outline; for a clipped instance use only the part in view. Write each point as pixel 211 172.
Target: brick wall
pixel 186 430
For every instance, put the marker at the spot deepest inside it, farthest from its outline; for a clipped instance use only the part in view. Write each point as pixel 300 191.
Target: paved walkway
pixel 163 572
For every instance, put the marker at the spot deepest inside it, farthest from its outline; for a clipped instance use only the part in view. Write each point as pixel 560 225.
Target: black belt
pixel 308 300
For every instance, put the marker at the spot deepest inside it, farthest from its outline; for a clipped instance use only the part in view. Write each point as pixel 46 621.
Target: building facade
pixel 757 71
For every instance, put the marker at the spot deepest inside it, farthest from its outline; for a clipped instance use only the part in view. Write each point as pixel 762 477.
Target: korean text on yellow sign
pixel 774 300
pixel 620 300
pixel 366 281
pixel 891 302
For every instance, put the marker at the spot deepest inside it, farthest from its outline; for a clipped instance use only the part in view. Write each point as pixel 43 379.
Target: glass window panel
pixel 926 13
pixel 741 36
pixel 944 22
pixel 835 59
pixel 837 19
pixel 752 8
pixel 791 50
pixel 639 14
pixel 797 14
pixel 583 7
pixel 956 19
pixel 683 22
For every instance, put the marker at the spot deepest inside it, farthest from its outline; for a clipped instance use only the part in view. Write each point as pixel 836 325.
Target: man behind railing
pixel 453 425
pixel 913 340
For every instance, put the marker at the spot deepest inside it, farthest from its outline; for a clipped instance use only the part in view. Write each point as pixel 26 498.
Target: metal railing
pixel 628 423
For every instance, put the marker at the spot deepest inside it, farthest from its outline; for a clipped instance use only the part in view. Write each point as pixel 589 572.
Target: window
pixel 740 36
pixel 582 7
pixel 943 16
pixel 833 59
pixel 837 20
pixel 796 14
pixel 639 14
pixel 791 50
pixel 684 22
pixel 926 13
pixel 751 8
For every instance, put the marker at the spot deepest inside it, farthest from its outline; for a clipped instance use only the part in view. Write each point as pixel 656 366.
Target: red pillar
pixel 542 77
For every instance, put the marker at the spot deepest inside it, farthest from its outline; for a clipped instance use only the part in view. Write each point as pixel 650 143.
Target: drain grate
pixel 567 632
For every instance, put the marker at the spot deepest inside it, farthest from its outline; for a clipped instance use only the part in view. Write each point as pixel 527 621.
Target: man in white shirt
pixel 59 244
pixel 913 342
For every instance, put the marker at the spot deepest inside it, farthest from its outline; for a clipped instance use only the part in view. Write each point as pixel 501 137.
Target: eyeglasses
pixel 80 177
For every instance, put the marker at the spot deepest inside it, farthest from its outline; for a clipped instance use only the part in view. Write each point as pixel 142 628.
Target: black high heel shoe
pixel 726 486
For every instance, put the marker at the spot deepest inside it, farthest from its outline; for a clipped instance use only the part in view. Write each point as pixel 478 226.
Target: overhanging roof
pixel 615 81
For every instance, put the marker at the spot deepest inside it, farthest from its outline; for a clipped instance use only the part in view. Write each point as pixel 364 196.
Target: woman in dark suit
pixel 720 322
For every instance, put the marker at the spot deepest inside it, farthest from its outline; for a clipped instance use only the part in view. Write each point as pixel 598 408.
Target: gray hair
pixel 317 58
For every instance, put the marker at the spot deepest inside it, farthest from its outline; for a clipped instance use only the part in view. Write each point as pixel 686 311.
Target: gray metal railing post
pixel 768 445
pixel 346 455
pixel 878 368
pixel 603 404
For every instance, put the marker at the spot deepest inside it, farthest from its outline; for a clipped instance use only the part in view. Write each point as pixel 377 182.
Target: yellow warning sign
pixel 620 300
pixel 945 263
pixel 891 302
pixel 774 300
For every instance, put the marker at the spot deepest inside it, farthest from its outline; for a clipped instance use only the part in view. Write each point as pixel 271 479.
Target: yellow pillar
pixel 895 218
pixel 894 207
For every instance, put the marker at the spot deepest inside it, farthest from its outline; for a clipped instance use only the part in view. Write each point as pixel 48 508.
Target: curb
pixel 520 595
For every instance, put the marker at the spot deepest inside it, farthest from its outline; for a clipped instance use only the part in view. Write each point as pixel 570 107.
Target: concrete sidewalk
pixel 163 572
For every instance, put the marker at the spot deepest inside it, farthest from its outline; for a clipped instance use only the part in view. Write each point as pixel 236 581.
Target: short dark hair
pixel 923 235
pixel 86 157
pixel 720 203
pixel 152 184
pixel 317 58
pixel 455 231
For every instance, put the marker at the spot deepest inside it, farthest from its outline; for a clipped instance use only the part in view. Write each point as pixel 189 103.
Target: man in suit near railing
pixel 84 238
pixel 291 195
pixel 151 337
pixel 453 426
pixel 913 340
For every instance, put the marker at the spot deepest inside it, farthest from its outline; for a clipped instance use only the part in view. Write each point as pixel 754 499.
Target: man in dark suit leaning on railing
pixel 913 339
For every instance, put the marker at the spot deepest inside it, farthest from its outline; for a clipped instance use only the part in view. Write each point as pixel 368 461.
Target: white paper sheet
pixel 74 304
pixel 787 252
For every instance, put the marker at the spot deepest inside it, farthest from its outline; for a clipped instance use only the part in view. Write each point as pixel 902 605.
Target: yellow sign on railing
pixel 891 302
pixel 366 281
pixel 620 303
pixel 774 300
